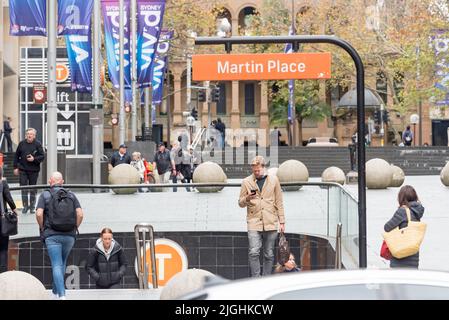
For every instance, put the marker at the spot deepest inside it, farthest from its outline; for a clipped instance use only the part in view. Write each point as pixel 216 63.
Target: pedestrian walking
pixel 408 201
pixel 119 157
pixel 164 164
pixel 261 195
pixel 59 215
pixel 107 262
pixel 289 266
pixel 27 164
pixel 7 130
pixel 4 240
pixel 407 137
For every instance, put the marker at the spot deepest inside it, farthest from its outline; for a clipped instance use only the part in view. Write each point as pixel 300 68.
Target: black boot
pixel 25 209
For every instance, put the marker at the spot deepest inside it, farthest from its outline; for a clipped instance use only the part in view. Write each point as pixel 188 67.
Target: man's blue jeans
pixel 255 239
pixel 59 248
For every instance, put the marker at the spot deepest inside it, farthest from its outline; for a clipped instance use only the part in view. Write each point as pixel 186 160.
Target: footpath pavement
pixel 305 213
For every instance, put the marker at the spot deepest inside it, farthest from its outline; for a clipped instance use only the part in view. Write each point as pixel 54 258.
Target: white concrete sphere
pixel 184 282
pixel 209 172
pixel 444 175
pixel 124 174
pixel 272 171
pixel 292 171
pixel 378 174
pixel 398 177
pixel 18 285
pixel 333 174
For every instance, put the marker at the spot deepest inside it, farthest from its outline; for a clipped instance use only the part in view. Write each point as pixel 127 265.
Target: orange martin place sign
pixel 277 66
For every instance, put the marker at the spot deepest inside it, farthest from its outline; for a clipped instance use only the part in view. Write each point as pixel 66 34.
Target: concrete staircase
pixel 414 161
pixel 8 168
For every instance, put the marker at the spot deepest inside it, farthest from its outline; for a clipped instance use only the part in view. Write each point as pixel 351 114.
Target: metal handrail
pixel 141 247
pixel 338 261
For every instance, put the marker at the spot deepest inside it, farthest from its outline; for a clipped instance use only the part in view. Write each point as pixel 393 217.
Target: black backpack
pixel 61 211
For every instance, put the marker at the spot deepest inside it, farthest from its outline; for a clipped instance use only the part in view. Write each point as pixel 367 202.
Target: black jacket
pixel 107 272
pixel 23 149
pixel 400 219
pixel 7 198
pixel 116 159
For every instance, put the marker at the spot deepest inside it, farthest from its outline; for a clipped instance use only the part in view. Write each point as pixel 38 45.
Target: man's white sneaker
pixel 54 296
pixel 62 298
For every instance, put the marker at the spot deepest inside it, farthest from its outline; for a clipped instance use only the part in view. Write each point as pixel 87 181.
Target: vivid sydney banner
pixel 111 16
pixel 79 50
pixel 150 14
pixel 159 65
pixel 28 17
pixel 74 16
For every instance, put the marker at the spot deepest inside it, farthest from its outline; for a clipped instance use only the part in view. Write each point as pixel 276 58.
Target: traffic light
pixel 376 116
pixel 385 116
pixel 216 94
pixel 194 113
pixel 202 96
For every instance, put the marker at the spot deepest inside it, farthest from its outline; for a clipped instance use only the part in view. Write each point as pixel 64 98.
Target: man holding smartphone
pixel 27 164
pixel 262 196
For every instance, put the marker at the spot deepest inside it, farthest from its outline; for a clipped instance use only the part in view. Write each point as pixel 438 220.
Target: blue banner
pixel 150 14
pixel 111 16
pixel 159 65
pixel 79 51
pixel 28 17
pixel 74 16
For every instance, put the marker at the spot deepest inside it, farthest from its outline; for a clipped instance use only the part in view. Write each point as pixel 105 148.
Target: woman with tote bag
pixel 408 201
pixel 4 239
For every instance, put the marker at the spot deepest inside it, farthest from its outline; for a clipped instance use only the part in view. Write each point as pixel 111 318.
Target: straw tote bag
pixel 405 242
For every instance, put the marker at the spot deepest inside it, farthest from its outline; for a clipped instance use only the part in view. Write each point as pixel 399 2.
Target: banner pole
pixel 122 116
pixel 52 108
pixel 134 70
pixel 96 95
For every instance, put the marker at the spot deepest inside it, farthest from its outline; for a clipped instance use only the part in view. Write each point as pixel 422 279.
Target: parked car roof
pixel 368 284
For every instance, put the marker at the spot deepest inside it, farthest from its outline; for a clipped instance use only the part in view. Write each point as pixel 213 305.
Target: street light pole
pixel 122 73
pixel 167 68
pixel 52 107
pixel 292 90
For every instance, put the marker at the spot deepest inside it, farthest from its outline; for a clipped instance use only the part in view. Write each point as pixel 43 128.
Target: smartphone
pixel 253 191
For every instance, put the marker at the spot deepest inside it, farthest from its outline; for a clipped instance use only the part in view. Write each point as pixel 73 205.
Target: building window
pixel 221 104
pixel 249 99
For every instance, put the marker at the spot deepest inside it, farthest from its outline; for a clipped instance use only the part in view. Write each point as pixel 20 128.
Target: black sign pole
pixel 295 41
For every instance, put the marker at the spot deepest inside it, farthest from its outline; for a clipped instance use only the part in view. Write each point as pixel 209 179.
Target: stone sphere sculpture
pixel 292 171
pixel 444 175
pixel 398 177
pixel 184 282
pixel 272 171
pixel 333 174
pixel 378 174
pixel 209 172
pixel 124 174
pixel 18 285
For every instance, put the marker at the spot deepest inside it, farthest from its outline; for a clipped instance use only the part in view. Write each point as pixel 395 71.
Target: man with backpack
pixel 407 137
pixel 59 215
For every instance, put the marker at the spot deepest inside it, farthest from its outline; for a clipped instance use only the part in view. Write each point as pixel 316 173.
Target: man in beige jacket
pixel 262 196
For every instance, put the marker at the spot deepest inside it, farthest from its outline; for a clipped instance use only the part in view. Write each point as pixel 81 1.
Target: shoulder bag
pixel 405 242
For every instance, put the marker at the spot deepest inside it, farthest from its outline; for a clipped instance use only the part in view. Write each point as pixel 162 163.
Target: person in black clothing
pixel 4 241
pixel 7 130
pixel 107 262
pixel 407 198
pixel 119 157
pixel 27 164
pixel 220 126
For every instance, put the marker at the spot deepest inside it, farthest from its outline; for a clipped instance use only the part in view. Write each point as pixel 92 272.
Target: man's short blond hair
pixel 258 161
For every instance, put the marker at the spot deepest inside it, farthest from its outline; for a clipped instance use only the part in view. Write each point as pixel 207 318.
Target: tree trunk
pixel 299 124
